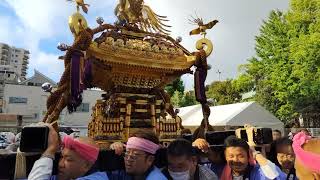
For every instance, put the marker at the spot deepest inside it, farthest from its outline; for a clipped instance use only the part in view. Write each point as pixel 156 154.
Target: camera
pixel 188 137
pixel 259 135
pixel 216 138
pixel 34 139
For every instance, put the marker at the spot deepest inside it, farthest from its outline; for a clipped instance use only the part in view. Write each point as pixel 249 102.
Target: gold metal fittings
pixel 205 44
pixel 76 23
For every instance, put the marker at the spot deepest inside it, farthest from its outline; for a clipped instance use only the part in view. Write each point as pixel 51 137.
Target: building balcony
pixel 4 52
pixel 5 46
pixel 4 58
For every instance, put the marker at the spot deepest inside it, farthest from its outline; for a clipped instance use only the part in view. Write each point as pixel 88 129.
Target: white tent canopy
pixel 231 115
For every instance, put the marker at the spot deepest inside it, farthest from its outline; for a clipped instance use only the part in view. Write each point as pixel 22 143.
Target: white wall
pixel 82 118
pixel 36 104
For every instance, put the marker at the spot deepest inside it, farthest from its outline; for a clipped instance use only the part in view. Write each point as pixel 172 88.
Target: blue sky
pixel 39 25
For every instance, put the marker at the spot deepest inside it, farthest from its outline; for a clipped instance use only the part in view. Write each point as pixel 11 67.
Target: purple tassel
pixel 87 75
pixel 200 89
pixel 76 91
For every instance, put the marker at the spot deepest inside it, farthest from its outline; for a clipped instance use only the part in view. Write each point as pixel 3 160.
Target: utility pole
pixel 219 72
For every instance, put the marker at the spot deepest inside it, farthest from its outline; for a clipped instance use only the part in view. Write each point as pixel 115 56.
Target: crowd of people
pixel 9 142
pixel 284 159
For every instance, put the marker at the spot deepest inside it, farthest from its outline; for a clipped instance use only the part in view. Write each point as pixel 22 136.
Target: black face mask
pixel 247 171
pixel 232 163
pixel 287 163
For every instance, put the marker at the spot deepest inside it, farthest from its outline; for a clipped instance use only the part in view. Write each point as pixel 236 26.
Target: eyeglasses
pixel 133 156
pixel 285 156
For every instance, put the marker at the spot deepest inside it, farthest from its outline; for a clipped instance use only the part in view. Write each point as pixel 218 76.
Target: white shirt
pixel 42 169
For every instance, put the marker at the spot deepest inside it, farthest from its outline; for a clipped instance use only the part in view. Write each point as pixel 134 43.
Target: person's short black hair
pixel 278 131
pixel 180 147
pixel 186 131
pixel 233 141
pixel 285 141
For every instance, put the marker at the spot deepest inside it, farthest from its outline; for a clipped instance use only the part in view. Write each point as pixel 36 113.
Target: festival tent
pixel 231 115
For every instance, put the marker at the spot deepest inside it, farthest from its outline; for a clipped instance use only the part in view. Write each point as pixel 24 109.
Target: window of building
pixel 16 55
pixel 84 107
pixel 18 100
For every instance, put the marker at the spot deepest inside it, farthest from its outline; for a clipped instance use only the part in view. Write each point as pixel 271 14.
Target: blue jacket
pixel 93 176
pixel 256 172
pixel 284 176
pixel 155 174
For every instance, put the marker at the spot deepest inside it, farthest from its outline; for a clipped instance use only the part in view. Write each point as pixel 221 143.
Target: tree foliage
pixel 223 92
pixel 285 71
pixel 176 85
pixel 183 99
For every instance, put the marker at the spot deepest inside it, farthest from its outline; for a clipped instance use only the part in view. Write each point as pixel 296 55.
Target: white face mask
pixel 185 175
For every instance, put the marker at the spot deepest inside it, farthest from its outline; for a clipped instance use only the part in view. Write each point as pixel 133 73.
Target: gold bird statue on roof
pixel 80 3
pixel 137 13
pixel 202 27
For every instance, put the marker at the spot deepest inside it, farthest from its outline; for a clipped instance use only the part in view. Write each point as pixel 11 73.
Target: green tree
pixel 223 92
pixel 176 85
pixel 285 70
pixel 183 99
pixel 188 99
pixel 176 99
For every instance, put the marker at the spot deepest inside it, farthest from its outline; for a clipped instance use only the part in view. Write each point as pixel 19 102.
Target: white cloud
pixel 41 20
pixel 233 37
pixel 43 17
pixel 48 63
pixel 4 32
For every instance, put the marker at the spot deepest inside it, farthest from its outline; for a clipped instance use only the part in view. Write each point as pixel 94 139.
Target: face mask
pixel 185 175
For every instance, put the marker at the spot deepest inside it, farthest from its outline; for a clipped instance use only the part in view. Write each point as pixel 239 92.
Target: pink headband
pixel 142 144
pixel 309 159
pixel 87 152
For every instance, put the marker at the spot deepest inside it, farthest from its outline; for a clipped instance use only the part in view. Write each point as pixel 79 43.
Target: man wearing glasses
pixel 139 158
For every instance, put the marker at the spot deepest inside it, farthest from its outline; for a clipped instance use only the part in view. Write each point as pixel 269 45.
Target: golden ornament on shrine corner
pixel 77 22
